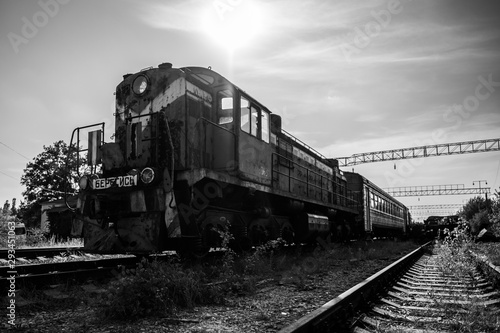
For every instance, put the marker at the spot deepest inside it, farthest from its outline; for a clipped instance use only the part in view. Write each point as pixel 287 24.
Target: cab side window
pixel 254 121
pixel 224 107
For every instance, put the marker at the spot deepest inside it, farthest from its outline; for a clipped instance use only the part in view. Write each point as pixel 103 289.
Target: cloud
pixel 178 15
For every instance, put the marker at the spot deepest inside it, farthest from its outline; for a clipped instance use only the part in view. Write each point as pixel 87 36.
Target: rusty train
pixel 194 154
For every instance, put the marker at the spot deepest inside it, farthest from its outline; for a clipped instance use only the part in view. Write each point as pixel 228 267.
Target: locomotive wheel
pixel 240 244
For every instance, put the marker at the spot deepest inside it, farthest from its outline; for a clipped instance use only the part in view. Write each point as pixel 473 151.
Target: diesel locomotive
pixel 194 154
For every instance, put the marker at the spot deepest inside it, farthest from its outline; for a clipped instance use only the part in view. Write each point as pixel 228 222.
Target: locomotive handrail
pixel 78 151
pixel 157 136
pixel 217 125
pixel 303 143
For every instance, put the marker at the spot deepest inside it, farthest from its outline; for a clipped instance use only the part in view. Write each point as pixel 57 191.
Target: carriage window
pixel 224 108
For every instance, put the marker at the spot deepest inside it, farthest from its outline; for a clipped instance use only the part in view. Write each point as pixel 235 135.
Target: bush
pixel 36 237
pixel 454 260
pixel 156 288
pixel 480 221
pixel 264 259
pixel 495 214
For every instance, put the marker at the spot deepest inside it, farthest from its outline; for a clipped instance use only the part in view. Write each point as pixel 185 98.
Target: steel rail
pixel 334 315
pixel 40 252
pixel 35 272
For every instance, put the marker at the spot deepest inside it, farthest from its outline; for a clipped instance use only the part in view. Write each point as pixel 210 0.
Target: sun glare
pixel 232 24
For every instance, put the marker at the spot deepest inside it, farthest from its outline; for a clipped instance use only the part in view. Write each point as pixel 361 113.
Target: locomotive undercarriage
pixel 194 218
pixel 252 217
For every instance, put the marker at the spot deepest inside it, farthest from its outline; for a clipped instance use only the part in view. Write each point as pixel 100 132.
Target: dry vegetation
pixel 256 292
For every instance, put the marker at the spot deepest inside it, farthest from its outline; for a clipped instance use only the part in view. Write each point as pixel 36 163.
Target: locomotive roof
pixel 218 79
pixel 212 79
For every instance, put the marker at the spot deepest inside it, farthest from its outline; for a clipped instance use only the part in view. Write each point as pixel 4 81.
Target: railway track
pixel 46 273
pixel 40 266
pixel 41 252
pixel 410 295
pixel 46 265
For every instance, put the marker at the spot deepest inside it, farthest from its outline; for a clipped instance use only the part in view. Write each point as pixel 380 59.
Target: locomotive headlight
pixel 147 175
pixel 140 84
pixel 83 182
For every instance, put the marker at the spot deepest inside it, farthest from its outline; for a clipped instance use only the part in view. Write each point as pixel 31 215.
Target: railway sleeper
pixel 425 293
pixel 424 300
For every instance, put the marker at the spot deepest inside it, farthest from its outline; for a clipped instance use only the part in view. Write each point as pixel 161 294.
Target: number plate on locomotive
pixel 121 181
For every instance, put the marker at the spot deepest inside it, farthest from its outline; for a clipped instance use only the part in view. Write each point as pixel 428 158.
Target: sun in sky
pixel 233 24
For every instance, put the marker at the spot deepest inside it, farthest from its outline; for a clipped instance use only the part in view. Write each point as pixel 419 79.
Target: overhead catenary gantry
pixel 465 147
pixel 433 210
pixel 442 206
pixel 433 213
pixel 449 189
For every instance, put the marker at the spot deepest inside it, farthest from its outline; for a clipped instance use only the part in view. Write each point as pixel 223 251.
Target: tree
pixel 475 212
pixel 8 210
pixel 46 178
pixel 495 214
pixel 6 207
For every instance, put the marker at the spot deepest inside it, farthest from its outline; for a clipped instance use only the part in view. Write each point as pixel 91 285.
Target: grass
pixel 51 241
pixel 35 238
pixel 156 288
pixel 160 288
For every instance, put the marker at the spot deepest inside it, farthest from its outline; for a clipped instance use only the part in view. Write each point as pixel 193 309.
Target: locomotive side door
pixel 223 150
pixel 254 150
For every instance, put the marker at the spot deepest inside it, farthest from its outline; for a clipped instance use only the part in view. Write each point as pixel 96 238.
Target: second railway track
pixel 42 273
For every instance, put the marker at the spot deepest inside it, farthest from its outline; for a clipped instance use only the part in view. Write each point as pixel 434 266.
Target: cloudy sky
pixel 346 76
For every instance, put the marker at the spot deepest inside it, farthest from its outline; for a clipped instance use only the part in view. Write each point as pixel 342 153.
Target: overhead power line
pixel 3 173
pixel 15 151
pixel 465 147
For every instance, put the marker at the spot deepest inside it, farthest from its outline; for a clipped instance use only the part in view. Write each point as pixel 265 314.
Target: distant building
pixel 60 216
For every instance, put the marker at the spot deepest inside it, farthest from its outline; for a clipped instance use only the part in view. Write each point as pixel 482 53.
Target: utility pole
pixel 486 194
pixel 481 181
